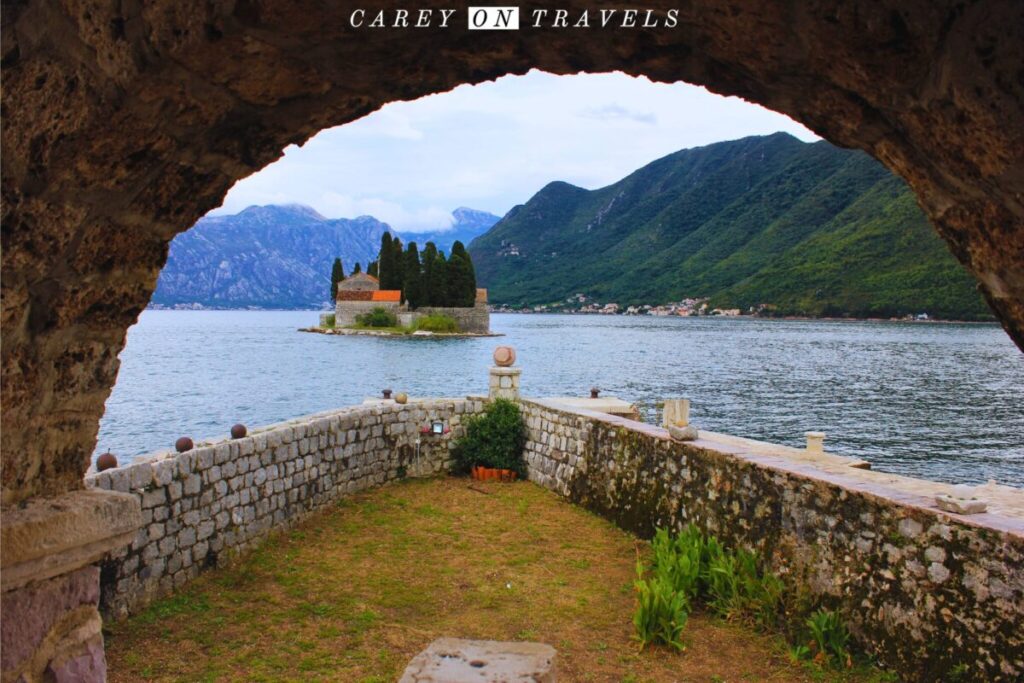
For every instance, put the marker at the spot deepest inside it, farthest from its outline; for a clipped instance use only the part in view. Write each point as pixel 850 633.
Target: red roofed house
pixel 361 293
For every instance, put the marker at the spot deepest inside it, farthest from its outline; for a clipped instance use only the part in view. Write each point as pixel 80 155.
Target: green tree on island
pixel 397 279
pixel 437 293
pixel 373 268
pixel 412 292
pixel 386 262
pixel 358 269
pixel 337 275
pixel 427 279
pixel 461 286
pixel 427 284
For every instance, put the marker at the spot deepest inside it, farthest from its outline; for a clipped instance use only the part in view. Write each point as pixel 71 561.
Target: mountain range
pixel 281 256
pixel 804 228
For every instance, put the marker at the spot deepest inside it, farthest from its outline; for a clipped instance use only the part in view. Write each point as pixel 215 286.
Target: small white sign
pixel 493 18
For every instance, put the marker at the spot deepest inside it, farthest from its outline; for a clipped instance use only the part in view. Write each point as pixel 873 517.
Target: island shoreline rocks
pixel 419 334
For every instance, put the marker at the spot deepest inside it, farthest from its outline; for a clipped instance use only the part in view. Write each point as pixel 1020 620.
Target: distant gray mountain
pixel 265 256
pixel 469 224
pixel 281 256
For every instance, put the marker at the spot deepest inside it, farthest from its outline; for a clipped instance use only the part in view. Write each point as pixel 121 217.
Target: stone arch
pixel 125 122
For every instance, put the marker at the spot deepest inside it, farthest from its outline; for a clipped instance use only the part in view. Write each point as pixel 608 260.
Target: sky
pixel 492 146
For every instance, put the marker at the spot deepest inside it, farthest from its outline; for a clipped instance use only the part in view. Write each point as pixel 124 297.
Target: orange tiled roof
pixel 393 295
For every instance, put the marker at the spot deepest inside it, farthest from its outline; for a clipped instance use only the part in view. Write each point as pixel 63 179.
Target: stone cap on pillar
pixel 50 536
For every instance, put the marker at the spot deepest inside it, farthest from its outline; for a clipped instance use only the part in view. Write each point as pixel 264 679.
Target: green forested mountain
pixel 809 228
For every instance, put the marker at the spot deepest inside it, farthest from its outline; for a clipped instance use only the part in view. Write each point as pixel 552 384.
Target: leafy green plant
pixel 378 317
pixel 678 560
pixel 496 438
pixel 738 589
pixel 661 611
pixel 830 638
pixel 329 320
pixel 437 322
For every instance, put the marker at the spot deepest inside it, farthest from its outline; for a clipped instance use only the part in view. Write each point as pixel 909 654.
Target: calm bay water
pixel 939 401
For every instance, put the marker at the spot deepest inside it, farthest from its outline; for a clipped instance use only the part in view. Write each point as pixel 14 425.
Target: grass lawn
pixel 354 592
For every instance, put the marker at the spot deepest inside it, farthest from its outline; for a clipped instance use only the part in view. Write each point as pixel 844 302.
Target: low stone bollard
pixel 815 442
pixel 676 419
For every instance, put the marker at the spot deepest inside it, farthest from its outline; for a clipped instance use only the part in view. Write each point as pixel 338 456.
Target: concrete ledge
pixel 53 536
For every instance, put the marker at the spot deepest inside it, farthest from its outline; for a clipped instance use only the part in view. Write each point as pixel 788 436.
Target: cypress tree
pixel 427 284
pixel 372 268
pixel 397 265
pixel 337 275
pixel 438 294
pixel 358 269
pixel 412 290
pixel 461 277
pixel 385 262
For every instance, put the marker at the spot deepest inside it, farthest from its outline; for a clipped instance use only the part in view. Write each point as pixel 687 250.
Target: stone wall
pixel 475 319
pixel 345 312
pixel 924 591
pixel 203 506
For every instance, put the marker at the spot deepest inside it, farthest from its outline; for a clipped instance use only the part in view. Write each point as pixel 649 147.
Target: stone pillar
pixel 504 380
pixel 504 383
pixel 51 627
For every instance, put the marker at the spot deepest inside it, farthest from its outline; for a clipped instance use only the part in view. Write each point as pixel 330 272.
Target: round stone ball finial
pixel 238 431
pixel 107 461
pixel 401 398
pixel 183 444
pixel 504 356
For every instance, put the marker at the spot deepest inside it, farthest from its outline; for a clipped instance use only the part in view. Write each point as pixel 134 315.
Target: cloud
pixel 399 217
pixel 615 112
pixel 493 145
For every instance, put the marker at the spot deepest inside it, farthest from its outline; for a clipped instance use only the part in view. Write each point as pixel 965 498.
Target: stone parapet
pixel 923 590
pixel 201 507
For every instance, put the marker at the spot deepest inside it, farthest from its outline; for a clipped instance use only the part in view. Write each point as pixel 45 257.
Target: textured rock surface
pixel 51 630
pixel 212 502
pixel 124 123
pixel 922 590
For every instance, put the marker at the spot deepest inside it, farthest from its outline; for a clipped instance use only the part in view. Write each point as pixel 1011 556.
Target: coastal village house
pixel 361 293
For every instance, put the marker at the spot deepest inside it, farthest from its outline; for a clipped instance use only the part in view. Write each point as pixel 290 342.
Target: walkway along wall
pixel 207 504
pixel 924 591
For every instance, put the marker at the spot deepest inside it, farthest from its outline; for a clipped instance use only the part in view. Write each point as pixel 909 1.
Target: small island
pixel 404 293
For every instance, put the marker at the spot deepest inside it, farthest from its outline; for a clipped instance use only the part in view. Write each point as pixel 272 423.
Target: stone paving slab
pixel 454 660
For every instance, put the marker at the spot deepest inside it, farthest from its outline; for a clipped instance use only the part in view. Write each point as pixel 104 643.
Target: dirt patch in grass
pixel 353 593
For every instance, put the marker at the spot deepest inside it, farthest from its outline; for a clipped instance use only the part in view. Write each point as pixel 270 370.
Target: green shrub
pixel 661 611
pixel 329 320
pixel 831 638
pixel 690 568
pixel 437 322
pixel 496 438
pixel 378 317
pixel 678 560
pixel 738 589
